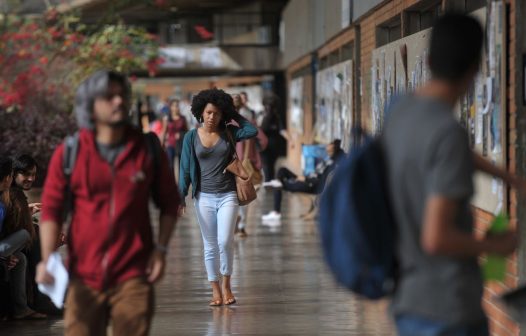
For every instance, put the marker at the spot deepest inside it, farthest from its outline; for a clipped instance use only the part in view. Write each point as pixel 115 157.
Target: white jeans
pixel 217 214
pixel 243 211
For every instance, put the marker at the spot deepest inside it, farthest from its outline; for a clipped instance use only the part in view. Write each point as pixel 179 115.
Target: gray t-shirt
pixel 213 162
pixel 110 152
pixel 427 153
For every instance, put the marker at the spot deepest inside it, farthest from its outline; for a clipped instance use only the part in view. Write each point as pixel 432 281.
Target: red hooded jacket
pixel 110 239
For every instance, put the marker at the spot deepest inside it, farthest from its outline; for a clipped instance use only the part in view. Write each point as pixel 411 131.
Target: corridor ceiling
pixel 137 11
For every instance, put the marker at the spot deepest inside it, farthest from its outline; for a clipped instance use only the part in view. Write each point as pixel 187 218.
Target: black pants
pixel 290 183
pixel 269 159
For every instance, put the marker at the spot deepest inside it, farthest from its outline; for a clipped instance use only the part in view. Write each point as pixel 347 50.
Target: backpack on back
pixel 357 228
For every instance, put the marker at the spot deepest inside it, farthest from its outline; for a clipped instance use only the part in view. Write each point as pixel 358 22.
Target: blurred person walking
pixel 113 260
pixel 175 128
pixel 248 152
pixel 431 184
pixel 273 129
pixel 244 109
pixel 207 151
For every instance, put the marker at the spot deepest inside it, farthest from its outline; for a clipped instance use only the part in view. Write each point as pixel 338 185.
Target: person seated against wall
pixel 312 184
pixel 13 240
pixel 24 175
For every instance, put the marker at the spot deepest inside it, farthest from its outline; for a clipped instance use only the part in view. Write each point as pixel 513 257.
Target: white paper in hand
pixel 56 290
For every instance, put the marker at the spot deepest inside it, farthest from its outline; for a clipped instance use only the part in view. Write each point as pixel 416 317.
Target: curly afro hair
pixel 219 98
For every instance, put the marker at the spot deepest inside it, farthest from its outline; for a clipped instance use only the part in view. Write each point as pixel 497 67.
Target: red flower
pixel 54 32
pixel 161 3
pixel 35 70
pixel 76 38
pixel 21 36
pixel 11 98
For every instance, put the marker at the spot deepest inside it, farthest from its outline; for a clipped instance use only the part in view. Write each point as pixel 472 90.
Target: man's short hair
pixel 96 86
pixel 455 47
pixel 22 164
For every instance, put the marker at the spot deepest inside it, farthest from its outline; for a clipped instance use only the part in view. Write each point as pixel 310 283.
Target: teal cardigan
pixel 189 171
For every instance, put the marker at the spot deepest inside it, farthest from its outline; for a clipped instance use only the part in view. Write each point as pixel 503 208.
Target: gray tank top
pixel 212 162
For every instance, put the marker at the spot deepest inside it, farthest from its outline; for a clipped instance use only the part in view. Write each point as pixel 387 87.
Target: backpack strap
pixel 71 148
pixel 153 146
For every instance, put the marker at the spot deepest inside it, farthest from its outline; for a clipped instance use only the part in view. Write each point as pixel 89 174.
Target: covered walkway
pixel 281 284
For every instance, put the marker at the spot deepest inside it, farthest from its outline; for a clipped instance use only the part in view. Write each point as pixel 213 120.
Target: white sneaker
pixel 271 216
pixel 273 184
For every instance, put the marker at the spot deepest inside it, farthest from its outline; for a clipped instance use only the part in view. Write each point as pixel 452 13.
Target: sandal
pixel 241 233
pixel 229 300
pixel 215 302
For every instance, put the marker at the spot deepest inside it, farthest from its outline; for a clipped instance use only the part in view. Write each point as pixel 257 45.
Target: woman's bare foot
pixel 228 296
pixel 217 298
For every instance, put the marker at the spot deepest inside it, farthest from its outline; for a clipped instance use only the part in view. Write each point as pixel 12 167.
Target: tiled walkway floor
pixel 281 284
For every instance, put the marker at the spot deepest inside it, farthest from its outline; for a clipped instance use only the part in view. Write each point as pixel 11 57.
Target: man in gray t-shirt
pixel 430 170
pixel 428 154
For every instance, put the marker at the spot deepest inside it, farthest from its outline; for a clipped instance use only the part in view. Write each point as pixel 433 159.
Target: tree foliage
pixel 43 59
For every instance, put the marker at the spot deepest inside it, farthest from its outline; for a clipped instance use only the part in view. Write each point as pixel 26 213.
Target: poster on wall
pixel 401 66
pixel 296 105
pixel 334 103
pixel 397 68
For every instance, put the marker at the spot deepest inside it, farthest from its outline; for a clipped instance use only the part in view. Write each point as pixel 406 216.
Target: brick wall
pixel 294 149
pixel 500 323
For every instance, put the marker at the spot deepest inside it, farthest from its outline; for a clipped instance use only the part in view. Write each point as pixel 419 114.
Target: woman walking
pixel 207 150
pixel 174 131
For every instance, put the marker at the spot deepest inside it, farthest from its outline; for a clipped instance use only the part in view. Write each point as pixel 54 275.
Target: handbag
pixel 246 192
pixel 255 174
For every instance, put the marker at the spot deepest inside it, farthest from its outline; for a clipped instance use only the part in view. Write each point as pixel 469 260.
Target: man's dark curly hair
pixel 220 99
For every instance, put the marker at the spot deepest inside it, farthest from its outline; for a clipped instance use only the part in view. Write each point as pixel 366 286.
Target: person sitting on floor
pixel 311 184
pixel 24 175
pixel 12 241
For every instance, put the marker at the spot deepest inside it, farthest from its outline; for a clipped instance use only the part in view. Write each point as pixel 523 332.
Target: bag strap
pixel 153 146
pixel 232 143
pixel 71 148
pixel 247 143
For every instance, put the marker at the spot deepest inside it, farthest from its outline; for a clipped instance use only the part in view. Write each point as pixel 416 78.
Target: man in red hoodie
pixel 113 260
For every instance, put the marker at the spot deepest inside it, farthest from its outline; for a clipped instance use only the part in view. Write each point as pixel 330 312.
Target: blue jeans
pixel 411 325
pixel 217 214
pixel 13 243
pixel 170 152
